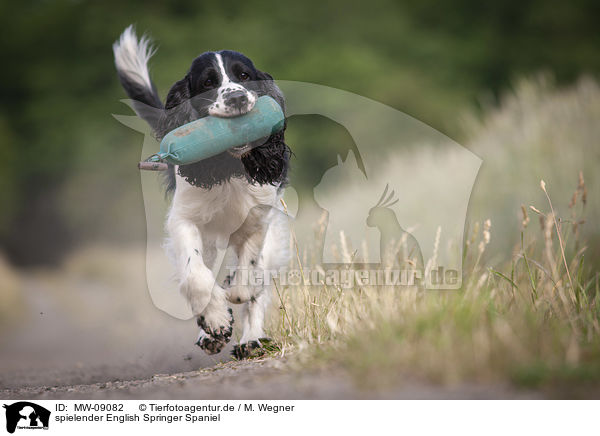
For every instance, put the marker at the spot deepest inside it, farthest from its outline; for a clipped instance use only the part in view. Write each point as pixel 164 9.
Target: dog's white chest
pixel 222 209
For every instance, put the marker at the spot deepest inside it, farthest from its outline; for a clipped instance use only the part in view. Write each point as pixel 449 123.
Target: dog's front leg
pixel 262 251
pixel 253 336
pixel 198 285
pixel 251 290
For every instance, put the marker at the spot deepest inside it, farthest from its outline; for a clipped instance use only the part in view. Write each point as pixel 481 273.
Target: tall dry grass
pixel 531 315
pixel 537 319
pixel 538 131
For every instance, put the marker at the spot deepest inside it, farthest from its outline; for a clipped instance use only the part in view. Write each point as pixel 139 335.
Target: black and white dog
pixel 231 199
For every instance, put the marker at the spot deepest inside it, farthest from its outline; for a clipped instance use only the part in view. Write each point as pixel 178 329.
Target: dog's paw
pixel 212 339
pixel 252 349
pixel 247 350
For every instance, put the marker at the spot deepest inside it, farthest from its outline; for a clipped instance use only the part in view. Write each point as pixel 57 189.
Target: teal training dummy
pixel 210 135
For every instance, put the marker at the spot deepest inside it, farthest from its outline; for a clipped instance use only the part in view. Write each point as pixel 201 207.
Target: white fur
pixel 254 318
pixel 132 56
pixel 199 221
pixel 274 255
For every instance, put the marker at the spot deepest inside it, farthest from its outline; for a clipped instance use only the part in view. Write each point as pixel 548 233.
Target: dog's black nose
pixel 236 99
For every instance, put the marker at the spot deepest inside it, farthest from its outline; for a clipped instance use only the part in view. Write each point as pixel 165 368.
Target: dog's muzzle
pixel 237 99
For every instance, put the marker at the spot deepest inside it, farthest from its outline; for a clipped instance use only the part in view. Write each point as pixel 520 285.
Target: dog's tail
pixel 131 59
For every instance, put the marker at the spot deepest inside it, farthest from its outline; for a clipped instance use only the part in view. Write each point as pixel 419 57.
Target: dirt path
pixel 73 331
pixel 85 338
pixel 270 378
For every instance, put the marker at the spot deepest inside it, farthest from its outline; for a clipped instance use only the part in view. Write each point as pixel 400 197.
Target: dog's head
pixel 226 84
pixel 222 84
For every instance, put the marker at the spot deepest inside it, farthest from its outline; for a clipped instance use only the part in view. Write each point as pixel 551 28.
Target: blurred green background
pixel 68 171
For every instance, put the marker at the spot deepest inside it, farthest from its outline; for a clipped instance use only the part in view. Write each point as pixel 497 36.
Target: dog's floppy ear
pixel 263 75
pixel 268 87
pixel 268 163
pixel 179 93
pixel 178 108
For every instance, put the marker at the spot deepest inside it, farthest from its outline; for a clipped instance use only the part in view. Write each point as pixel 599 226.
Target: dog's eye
pixel 208 83
pixel 244 76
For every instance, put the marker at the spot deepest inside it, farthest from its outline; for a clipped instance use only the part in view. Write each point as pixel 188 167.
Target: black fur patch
pixel 216 338
pixel 264 164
